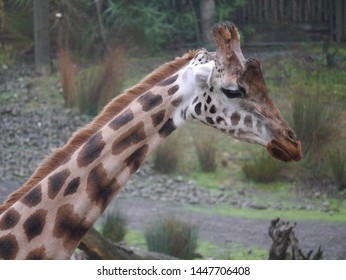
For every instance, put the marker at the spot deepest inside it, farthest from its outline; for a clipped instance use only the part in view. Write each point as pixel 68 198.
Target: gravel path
pixel 31 127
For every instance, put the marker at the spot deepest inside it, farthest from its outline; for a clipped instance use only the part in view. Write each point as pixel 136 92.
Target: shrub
pixel 114 227
pixel 262 168
pixel 7 55
pixel 172 237
pixel 206 153
pixel 91 88
pixel 337 164
pixel 313 125
pixel 166 156
pixel 155 23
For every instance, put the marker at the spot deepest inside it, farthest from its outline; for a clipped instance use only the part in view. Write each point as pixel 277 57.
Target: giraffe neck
pixel 49 221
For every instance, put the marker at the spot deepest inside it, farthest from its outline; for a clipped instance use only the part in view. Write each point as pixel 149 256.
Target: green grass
pixel 135 239
pixel 209 180
pixel 231 251
pixel 6 96
pixel 287 214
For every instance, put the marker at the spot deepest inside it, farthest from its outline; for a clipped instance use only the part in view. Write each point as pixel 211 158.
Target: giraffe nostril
pixel 292 136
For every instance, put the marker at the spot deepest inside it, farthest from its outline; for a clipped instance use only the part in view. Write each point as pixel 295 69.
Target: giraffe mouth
pixel 290 151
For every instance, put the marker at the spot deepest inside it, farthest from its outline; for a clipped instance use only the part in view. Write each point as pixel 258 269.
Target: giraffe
pixel 50 214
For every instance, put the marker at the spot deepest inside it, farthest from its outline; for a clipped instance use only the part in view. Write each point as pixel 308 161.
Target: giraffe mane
pixel 114 107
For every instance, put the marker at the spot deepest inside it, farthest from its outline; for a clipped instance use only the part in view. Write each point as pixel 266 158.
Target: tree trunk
pixel 1 15
pixel 41 37
pixel 207 9
pixel 340 21
pixel 97 247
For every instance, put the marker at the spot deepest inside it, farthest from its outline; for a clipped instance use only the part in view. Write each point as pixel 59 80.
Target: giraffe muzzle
pixel 286 150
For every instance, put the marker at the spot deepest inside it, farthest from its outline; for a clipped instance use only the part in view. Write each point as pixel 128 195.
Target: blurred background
pixel 61 61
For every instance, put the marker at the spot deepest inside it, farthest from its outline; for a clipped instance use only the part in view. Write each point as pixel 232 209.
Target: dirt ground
pixel 219 229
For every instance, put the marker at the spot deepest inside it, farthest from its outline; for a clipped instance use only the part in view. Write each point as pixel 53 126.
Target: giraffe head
pixel 233 97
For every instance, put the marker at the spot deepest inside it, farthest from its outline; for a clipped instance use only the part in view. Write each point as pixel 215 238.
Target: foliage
pixel 262 168
pixel 114 227
pixel 337 164
pixel 7 55
pixel 166 156
pixel 206 153
pixel 172 237
pixel 19 21
pixel 156 22
pixel 225 10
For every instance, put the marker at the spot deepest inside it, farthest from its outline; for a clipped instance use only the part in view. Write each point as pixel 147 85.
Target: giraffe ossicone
pixel 50 214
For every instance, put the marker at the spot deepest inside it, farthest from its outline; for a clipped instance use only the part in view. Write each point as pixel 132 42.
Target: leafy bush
pixel 337 164
pixel 114 227
pixel 167 155
pixel 262 168
pixel 206 153
pixel 172 237
pixel 155 22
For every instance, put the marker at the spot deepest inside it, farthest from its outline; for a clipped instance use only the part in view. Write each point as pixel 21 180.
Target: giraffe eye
pixel 234 93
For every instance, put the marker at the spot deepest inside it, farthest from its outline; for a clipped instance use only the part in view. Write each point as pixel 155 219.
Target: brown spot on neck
pixel 122 119
pixel 149 101
pixel 37 254
pixel 173 90
pixel 132 136
pixel 91 150
pixel 167 128
pixel 69 226
pixel 72 187
pixel 9 219
pixel 136 159
pixel 168 81
pixel 33 197
pixel 8 247
pixel 34 225
pixel 100 189
pixel 176 102
pixel 158 117
pixel 56 181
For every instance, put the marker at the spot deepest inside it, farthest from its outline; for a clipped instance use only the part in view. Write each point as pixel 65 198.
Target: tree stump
pixel 286 245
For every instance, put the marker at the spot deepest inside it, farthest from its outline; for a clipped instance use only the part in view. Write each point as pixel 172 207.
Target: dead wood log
pixel 285 243
pixel 99 248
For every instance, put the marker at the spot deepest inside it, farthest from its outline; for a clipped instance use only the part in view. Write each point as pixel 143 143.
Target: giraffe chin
pixel 291 152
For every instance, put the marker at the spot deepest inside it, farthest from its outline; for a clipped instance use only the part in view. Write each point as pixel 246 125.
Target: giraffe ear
pixel 204 72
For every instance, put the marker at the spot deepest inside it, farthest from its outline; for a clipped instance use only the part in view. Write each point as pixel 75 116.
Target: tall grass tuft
pixel 172 237
pixel 97 85
pixel 67 75
pixel 337 164
pixel 90 88
pixel 262 168
pixel 206 153
pixel 114 227
pixel 315 125
pixel 167 155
